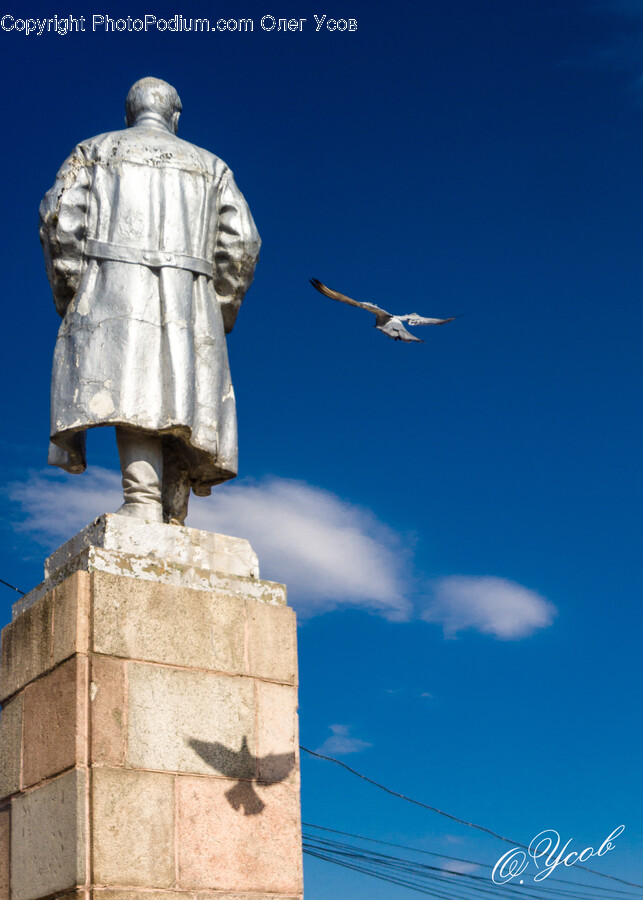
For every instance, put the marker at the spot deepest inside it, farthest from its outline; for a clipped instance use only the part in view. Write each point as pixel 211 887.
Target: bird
pixel 388 323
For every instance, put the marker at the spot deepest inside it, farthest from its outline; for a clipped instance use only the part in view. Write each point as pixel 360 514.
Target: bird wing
pixel 415 319
pixel 407 337
pixel 396 330
pixel 335 295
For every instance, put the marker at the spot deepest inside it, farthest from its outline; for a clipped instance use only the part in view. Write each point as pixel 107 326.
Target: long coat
pixel 150 248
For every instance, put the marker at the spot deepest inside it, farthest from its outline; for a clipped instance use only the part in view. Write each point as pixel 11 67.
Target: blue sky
pixel 459 523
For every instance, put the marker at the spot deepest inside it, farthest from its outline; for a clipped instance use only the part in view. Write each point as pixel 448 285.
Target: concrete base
pixel 149 729
pixel 166 554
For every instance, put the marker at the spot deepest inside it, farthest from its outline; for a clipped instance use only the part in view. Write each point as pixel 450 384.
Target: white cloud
pixel 460 866
pixel 340 742
pixel 488 605
pixel 326 550
pixel 329 552
pixel 56 505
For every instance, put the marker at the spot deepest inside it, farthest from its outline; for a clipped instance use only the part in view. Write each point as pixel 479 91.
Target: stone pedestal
pixel 149 724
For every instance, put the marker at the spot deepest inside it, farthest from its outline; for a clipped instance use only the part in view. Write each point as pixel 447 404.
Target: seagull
pixel 391 325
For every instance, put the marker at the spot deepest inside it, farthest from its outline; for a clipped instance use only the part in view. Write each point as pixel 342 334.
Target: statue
pixel 150 248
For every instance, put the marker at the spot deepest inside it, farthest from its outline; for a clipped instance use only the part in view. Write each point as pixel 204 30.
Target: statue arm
pixel 236 249
pixel 63 214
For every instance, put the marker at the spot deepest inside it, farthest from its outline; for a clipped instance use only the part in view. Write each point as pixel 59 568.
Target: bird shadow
pixel 246 768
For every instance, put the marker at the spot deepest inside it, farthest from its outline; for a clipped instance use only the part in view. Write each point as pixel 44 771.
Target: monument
pixel 150 248
pixel 149 684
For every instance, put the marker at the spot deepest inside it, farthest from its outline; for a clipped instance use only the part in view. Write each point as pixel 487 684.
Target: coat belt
pixel 154 259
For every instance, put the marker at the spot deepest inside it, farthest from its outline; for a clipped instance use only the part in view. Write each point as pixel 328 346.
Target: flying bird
pixel 390 324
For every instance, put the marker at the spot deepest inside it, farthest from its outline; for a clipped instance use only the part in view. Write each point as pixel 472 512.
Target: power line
pixel 410 799
pixel 391 880
pixel 460 859
pixel 13 587
pixel 374 862
pixel 430 808
pixel 482 882
pixel 452 817
pixel 444 886
pixel 361 837
pixel 417 876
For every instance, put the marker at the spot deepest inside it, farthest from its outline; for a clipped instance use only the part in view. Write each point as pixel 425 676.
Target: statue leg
pixel 176 481
pixel 141 457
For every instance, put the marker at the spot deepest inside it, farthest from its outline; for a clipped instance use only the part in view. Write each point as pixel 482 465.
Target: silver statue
pixel 150 248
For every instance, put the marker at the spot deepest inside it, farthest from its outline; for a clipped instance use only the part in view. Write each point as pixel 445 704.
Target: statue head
pixel 153 99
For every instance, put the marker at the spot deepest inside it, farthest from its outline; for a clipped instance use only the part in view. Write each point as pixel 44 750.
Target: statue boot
pixel 156 481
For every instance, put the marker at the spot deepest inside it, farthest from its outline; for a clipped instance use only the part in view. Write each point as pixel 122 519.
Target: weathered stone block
pixel 54 729
pixel 133 828
pixel 48 838
pixel 74 895
pixel 5 852
pixel 160 544
pixel 10 746
pixel 179 689
pixel 168 624
pixel 111 894
pixel 219 849
pixel 245 896
pixel 272 642
pixel 183 721
pixel 277 732
pixel 26 647
pixel 108 710
pixel 71 616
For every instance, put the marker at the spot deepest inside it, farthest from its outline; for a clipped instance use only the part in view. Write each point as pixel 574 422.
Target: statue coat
pixel 150 248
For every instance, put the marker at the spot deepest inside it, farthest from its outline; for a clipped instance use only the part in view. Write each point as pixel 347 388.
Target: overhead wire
pixel 452 883
pixel 422 889
pixel 12 586
pixel 452 817
pixel 409 873
pixel 468 880
pixel 410 866
pixel 442 886
pixel 361 837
